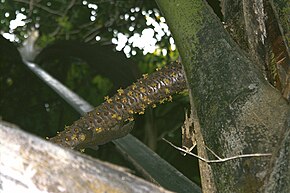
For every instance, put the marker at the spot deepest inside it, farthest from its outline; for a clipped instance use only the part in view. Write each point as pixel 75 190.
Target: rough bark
pixel 279 178
pixel 245 20
pixel 259 27
pixel 239 111
pixel 30 164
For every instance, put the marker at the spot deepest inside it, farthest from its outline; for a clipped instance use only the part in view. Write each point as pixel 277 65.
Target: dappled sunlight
pixel 147 40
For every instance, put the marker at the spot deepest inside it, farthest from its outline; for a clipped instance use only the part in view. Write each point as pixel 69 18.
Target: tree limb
pixel 30 164
pixel 238 110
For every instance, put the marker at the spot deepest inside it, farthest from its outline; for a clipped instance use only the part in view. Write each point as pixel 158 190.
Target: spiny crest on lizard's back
pixel 104 123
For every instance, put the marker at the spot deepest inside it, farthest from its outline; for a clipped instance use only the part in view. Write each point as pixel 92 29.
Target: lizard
pixel 114 117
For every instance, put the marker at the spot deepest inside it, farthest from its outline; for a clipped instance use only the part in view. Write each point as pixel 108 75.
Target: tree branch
pixel 41 7
pixel 30 164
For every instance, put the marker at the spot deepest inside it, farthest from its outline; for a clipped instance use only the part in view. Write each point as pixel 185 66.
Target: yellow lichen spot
pixel 167 91
pixel 134 86
pixel 76 130
pixel 130 111
pixel 130 119
pixel 153 84
pixel 141 112
pixel 124 100
pixel 149 102
pixel 142 89
pixel 154 106
pixel 82 137
pixel 143 106
pixel 136 95
pixel 98 129
pixel 145 76
pixel 74 137
pixel 120 91
pixel 130 93
pixel 157 69
pixel 145 98
pixel 166 80
pixel 173 74
pixel 66 139
pixel 116 116
pixel 109 100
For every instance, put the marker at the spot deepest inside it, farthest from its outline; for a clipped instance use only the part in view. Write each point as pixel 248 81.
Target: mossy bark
pixel 239 112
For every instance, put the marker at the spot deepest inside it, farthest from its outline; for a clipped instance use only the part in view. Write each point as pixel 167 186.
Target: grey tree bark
pixel 30 164
pixel 239 112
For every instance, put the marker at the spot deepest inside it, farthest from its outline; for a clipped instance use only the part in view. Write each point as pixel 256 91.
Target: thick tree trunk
pixel 261 28
pixel 239 112
pixel 30 164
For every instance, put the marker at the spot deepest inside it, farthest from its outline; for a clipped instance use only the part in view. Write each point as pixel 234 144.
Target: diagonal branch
pixel 105 122
pixel 41 7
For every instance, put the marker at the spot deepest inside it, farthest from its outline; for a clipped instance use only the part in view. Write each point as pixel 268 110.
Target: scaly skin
pixel 105 122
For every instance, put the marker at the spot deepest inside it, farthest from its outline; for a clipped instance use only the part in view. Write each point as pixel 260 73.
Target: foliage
pixel 71 33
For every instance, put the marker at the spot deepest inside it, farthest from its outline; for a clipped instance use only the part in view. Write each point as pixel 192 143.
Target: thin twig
pixel 219 160
pixel 211 151
pixel 41 7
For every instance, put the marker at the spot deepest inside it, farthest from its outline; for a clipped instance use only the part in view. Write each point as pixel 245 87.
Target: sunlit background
pixel 146 41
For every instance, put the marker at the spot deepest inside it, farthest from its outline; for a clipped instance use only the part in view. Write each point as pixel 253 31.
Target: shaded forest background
pixel 75 45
